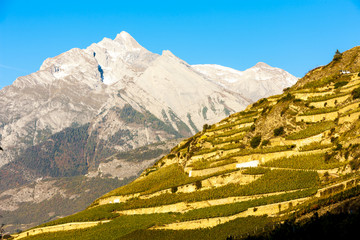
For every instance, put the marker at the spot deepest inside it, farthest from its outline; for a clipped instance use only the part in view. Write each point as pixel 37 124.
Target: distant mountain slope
pixel 284 157
pixel 254 83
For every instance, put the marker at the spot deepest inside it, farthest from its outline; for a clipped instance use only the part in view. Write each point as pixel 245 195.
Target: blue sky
pixel 294 35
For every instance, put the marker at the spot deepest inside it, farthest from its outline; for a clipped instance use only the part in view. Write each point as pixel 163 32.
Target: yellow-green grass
pixel 217 140
pixel 350 112
pixel 319 111
pixel 272 181
pixel 322 82
pixel 216 149
pixel 228 133
pixel 244 114
pixel 261 150
pixel 232 124
pixel 205 151
pixel 203 164
pixel 315 146
pixel 113 230
pixel 255 170
pixel 235 208
pixel 171 176
pixel 237 227
pixel 307 90
pixel 326 97
pixel 102 212
pixel 350 86
pixel 311 130
pixel 136 227
pixel 310 161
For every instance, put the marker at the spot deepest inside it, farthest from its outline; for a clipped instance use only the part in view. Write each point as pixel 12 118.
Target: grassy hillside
pixel 282 158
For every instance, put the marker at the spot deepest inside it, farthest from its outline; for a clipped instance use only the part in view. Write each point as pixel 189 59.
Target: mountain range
pixel 69 118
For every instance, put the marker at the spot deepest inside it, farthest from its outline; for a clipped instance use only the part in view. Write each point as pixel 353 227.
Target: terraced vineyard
pixel 242 175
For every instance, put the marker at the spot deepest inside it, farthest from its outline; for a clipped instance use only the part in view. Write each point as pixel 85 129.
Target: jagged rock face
pixel 254 83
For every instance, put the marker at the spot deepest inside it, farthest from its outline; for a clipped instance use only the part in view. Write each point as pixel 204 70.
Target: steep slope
pixel 283 157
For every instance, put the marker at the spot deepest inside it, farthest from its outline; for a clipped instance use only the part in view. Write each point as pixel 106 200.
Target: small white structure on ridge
pixel 254 163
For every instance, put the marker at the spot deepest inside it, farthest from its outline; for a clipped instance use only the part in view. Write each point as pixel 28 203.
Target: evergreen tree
pixel 337 55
